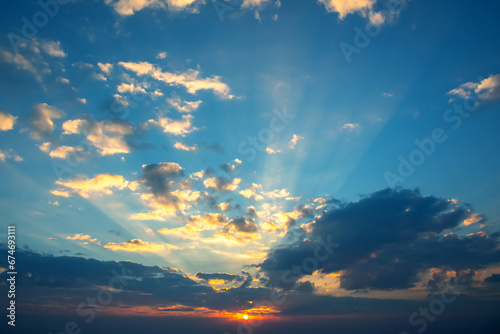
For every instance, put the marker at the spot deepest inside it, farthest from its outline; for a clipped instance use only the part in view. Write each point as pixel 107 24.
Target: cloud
pixel 253 3
pixel 486 90
pixel 293 141
pixel 240 230
pixel 21 62
pixel 344 7
pixel 387 240
pixel 351 127
pixel 41 120
pixel 253 192
pixel 107 136
pixel 160 181
pixel 175 127
pixel 85 238
pixel 130 7
pixel 222 184
pixel 106 68
pixel 99 185
pixel 190 79
pixel 220 276
pixel 9 154
pixel 270 150
pixel 184 147
pixel 7 121
pixel 137 245
pixel 183 106
pixel 62 152
pixel 231 167
pixel 53 48
pixel 161 55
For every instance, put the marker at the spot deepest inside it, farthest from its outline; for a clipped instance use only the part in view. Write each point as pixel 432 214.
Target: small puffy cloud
pixel 137 245
pixel 62 193
pixel 270 150
pixel 161 55
pixel 176 127
pixel 344 7
pixel 53 48
pixel 20 62
pixel 225 206
pixel 106 68
pixel 253 3
pixel 101 184
pixel 183 106
pixel 486 90
pixel 351 127
pixel 63 80
pixel 82 237
pixel 222 184
pixel 7 121
pixel 63 151
pixel 130 7
pixel 130 88
pixel 190 79
pixel 9 154
pixel 293 141
pixel 41 120
pixel 184 147
pixel 253 192
pixel 108 137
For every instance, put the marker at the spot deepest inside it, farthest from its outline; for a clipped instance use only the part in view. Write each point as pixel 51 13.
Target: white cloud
pixel 351 127
pixel 190 79
pixel 53 48
pixel 175 127
pixel 99 185
pixel 107 136
pixel 184 147
pixel 63 151
pixel 270 150
pixel 7 121
pixel 486 90
pixel 344 7
pixel 129 7
pixel 254 3
pixel 293 141
pixel 183 106
pixel 9 155
pixel 106 68
pixel 161 55
pixel 20 62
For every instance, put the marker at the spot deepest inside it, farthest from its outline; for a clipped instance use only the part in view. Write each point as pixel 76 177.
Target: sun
pixel 245 316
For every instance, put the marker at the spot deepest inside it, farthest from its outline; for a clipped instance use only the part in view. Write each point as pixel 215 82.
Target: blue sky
pixel 170 133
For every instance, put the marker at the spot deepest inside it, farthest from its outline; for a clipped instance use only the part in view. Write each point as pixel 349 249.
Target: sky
pixel 251 166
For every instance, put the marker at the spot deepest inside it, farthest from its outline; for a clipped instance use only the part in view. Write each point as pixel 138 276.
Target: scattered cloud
pixel 137 245
pixel 190 79
pixel 183 106
pixel 7 121
pixel 53 48
pixel 41 120
pixel 99 185
pixel 184 147
pixel 485 90
pixel 175 127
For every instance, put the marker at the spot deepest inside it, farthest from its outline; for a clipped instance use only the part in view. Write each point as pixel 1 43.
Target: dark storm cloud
pixel 241 225
pixel 387 239
pixel 158 177
pixel 222 276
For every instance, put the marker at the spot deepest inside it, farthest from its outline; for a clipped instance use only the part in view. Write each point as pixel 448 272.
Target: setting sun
pixel 245 316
